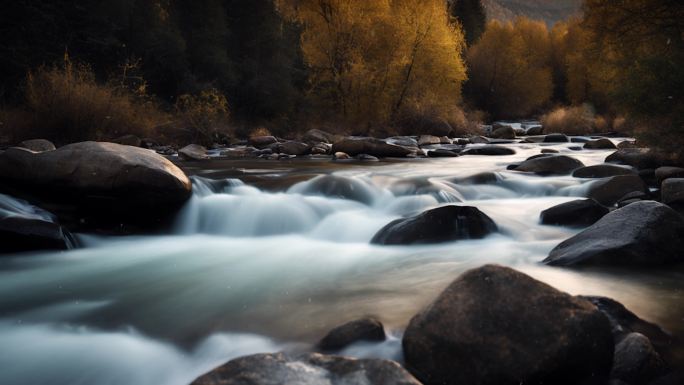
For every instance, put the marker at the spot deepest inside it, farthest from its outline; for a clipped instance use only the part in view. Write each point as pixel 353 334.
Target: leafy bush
pixel 203 118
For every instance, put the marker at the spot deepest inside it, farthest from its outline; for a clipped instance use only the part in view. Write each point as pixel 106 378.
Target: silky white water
pixel 249 270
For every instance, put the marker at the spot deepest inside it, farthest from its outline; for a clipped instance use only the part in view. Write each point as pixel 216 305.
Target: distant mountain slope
pixel 550 11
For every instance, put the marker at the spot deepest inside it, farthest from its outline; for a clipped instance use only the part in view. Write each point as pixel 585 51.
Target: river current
pixel 258 261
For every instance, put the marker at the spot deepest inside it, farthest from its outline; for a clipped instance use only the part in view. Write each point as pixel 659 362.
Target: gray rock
pixel 338 187
pixel 318 136
pixel 294 148
pixel 38 145
pixel 662 173
pixel 579 213
pixel 193 152
pixel 609 191
pixel 602 171
pixel 443 224
pixel 364 329
pixel 496 326
pixel 371 146
pixel 672 191
pixel 306 369
pixel 639 158
pixel 556 138
pixel 636 362
pixel 426 140
pixel 478 140
pixel 493 150
pixel 550 165
pixel 645 233
pixel 442 153
pixel 262 141
pixel 502 132
pixel 535 130
pixel 599 144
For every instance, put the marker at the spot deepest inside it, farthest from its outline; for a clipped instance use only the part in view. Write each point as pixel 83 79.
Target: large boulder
pixel 500 131
pixel 443 224
pixel 38 145
pixel 364 329
pixel 193 152
pixel 556 138
pixel 662 173
pixel 110 182
pixel 496 326
pixel 609 191
pixel 493 150
pixel 640 158
pixel 371 146
pixel 309 369
pixel 672 191
pixel 580 213
pixel 644 233
pixel 602 171
pixel 535 130
pixel 292 147
pixel 262 141
pixel 550 165
pixel 600 144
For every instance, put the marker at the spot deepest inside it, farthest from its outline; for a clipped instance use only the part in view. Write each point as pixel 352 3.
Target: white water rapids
pixel 247 270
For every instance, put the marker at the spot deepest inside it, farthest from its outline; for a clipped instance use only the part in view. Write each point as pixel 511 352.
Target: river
pixel 255 263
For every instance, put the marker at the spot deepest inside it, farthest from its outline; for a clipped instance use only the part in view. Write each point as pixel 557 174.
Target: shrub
pixel 203 118
pixel 577 120
pixel 66 104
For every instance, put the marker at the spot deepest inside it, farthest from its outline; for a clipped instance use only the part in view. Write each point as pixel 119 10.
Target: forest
pixel 212 71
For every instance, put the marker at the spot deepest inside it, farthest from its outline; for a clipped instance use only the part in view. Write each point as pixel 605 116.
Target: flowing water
pixel 258 261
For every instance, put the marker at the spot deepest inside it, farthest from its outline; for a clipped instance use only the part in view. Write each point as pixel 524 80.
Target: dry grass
pixel 570 120
pixel 203 118
pixel 66 104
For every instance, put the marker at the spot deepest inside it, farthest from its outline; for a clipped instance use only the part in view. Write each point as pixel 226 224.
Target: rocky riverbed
pixel 506 259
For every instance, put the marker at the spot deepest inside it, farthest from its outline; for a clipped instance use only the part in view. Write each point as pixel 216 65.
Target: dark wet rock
pixel 575 148
pixel 550 165
pixel 534 139
pixel 640 158
pixel 579 213
pixel 318 136
pixel 489 150
pixel 479 178
pixel 193 152
pixel 512 166
pixel 673 378
pixel 38 145
pixel 672 191
pixel 627 144
pixel 405 141
pixel 649 177
pixel 129 140
pixel 535 130
pixel 549 151
pixel 579 139
pixel 294 148
pixel 634 196
pixel 636 361
pixel 443 224
pixel 602 171
pixel 662 173
pixel 367 158
pixel 556 138
pixel 306 369
pixel 339 187
pixel 645 233
pixel 364 329
pixel 244 152
pixel 262 141
pixel 442 153
pixel 494 325
pixel 426 140
pixel 28 228
pixel 608 191
pixel 500 131
pixel 600 144
pixel 376 147
pixel 542 155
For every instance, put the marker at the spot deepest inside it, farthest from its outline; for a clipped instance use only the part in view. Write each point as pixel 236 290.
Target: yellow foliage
pixel 510 73
pixel 203 116
pixel 371 61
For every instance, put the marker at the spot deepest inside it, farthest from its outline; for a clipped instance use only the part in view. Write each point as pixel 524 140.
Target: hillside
pixel 549 10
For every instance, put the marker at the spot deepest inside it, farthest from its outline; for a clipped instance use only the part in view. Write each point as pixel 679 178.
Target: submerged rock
pixel 609 191
pixel 442 153
pixel 581 213
pixel 550 165
pixel 496 326
pixel 364 329
pixel 443 224
pixel 602 171
pixel 309 369
pixel 38 145
pixel 489 150
pixel 644 233
pixel 370 146
pixel 338 187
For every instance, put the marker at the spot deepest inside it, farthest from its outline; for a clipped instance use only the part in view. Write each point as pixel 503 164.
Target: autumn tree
pixel 510 68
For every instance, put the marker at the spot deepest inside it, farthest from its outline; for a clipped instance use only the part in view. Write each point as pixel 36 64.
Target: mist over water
pixel 249 270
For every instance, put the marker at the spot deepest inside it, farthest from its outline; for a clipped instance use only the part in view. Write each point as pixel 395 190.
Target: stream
pixel 257 261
